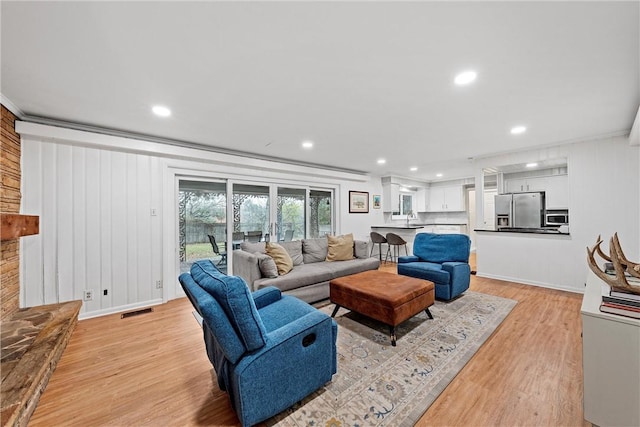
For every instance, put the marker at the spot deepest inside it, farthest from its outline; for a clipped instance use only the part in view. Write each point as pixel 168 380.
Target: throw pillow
pixel 314 250
pixel 361 249
pixel 252 247
pixel 267 265
pixel 294 249
pixel 340 248
pixel 280 256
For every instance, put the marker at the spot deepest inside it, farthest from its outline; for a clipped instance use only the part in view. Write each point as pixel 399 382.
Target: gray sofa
pixel 311 273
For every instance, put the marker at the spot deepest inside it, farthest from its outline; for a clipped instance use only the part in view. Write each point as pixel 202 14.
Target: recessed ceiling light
pixel 161 111
pixel 516 130
pixel 465 78
pixel 532 165
pixel 381 161
pixel 307 144
pixel 413 168
pixel 439 175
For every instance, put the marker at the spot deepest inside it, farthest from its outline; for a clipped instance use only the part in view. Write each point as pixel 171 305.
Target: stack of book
pixel 620 302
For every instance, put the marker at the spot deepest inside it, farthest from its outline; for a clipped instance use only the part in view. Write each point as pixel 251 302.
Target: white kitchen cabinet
pixel 557 192
pixel 391 198
pixel 447 229
pixel 426 229
pixel 556 188
pixel 522 185
pixel 421 200
pixel 610 362
pixel 446 199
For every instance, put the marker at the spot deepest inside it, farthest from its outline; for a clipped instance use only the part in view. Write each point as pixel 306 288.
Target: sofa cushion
pixel 340 248
pixel 353 266
pixel 267 265
pixel 253 247
pixel 425 270
pixel 314 250
pixel 442 247
pixel 280 256
pixel 294 249
pixel 233 295
pixel 299 276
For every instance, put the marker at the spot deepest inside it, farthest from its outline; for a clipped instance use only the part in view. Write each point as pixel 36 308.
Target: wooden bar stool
pixel 396 241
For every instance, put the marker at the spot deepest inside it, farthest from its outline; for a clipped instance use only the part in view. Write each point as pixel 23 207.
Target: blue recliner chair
pixel 269 350
pixel 442 259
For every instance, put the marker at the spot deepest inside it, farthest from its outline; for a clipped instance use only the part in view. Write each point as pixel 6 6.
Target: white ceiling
pixel 363 80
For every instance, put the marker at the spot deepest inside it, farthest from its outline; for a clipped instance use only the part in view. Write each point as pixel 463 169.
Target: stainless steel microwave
pixel 556 218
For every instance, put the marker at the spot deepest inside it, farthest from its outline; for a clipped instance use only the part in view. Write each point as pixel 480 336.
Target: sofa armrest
pixel 245 265
pixel 410 258
pixel 265 296
pixel 460 272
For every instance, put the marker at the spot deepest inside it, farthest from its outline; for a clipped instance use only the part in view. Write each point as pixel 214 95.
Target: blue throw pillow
pixel 233 294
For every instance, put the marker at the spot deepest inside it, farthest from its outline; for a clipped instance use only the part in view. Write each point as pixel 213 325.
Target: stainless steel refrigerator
pixel 520 210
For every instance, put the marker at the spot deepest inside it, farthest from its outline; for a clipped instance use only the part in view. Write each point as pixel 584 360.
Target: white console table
pixel 611 362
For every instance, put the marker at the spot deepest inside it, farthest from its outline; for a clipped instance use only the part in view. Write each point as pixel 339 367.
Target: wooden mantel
pixel 16 225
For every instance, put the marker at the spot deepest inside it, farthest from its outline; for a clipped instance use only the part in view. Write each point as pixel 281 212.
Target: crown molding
pixel 11 106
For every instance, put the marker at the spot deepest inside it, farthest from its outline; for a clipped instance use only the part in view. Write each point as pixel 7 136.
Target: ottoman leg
pixel 392 330
pixel 335 310
pixel 426 310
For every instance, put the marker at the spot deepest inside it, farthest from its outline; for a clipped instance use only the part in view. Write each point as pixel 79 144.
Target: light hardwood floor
pixel 152 370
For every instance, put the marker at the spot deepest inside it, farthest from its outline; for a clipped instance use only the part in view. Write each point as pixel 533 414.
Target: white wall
pixel 94 194
pixel 359 223
pixel 96 230
pixel 604 197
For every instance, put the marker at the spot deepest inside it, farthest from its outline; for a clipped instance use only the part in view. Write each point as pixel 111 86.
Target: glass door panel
pixel 202 223
pixel 291 211
pixel 251 219
pixel 321 213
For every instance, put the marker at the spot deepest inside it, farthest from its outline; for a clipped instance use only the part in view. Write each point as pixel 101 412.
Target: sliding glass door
pixel 251 212
pixel 216 216
pixel 202 222
pixel 321 214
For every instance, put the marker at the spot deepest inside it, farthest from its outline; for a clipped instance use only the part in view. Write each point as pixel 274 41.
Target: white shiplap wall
pixel 96 229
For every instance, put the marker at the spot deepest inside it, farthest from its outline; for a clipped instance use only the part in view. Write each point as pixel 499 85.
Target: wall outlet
pixel 88 295
pixel 105 292
pixel 158 284
pixel 154 212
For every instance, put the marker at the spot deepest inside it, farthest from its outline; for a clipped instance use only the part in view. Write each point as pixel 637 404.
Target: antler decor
pixel 621 266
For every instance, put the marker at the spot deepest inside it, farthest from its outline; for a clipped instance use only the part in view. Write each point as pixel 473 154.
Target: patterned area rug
pixel 378 384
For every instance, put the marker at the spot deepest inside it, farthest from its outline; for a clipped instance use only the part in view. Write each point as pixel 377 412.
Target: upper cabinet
pixel 391 198
pixel 446 199
pixel 556 188
pixel 526 184
pixel 421 200
pixel 557 192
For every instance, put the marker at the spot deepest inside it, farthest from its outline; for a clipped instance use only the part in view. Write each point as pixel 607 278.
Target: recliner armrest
pixel 410 258
pixel 298 358
pixel 265 296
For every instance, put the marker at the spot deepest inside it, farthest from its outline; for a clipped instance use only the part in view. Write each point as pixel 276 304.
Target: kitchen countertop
pixel 524 230
pixel 419 225
pixel 401 226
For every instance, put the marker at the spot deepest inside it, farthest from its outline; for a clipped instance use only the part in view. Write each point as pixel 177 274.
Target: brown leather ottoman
pixel 386 297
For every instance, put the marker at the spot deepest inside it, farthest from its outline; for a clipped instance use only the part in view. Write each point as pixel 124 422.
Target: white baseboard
pixel 119 309
pixel 530 282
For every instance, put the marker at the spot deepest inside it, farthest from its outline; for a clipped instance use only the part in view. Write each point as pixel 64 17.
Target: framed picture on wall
pixel 358 202
pixel 377 201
